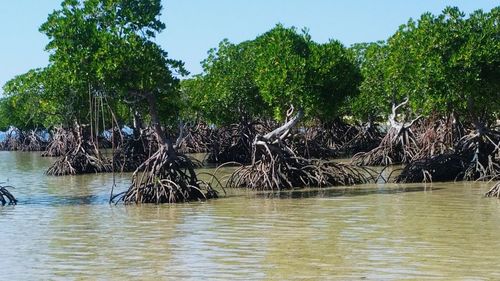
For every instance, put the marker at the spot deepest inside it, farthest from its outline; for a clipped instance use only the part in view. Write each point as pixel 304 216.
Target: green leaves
pixel 104 48
pixel 278 69
pixel 445 63
pixel 27 102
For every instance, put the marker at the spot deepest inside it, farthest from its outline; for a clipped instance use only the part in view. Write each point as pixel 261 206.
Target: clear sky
pixel 194 26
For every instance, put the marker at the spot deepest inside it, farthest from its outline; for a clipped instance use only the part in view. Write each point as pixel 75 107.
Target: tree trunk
pixel 163 140
pixel 137 123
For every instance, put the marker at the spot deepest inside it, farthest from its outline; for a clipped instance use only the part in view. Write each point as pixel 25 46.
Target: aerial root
pixel 437 136
pixel 367 137
pixel 398 146
pixel 13 140
pixel 476 156
pixel 134 150
pixel 482 151
pixel 61 142
pixel 6 197
pixel 33 141
pixel 234 143
pixel 196 139
pixel 279 168
pixel 439 168
pixel 494 191
pixel 84 158
pixel 311 144
pixel 164 178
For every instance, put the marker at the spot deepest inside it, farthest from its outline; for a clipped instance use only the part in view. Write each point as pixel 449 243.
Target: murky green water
pixel 63 228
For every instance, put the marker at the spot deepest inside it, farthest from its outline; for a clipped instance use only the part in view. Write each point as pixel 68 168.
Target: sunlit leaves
pixel 445 64
pixel 281 68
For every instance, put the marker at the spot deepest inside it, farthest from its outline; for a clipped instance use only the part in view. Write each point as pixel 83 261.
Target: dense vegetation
pixel 428 97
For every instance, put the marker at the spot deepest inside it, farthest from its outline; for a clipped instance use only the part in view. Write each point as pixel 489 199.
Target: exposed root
pixel 134 150
pixel 6 197
pixel 165 178
pixel 276 172
pixel 482 151
pixel 234 143
pixel 33 141
pixel 437 136
pixel 334 138
pixel 310 144
pixel 276 166
pixel 13 140
pixel 335 134
pixel 83 158
pixel 61 142
pixel 398 146
pixel 476 156
pixel 438 168
pixel 196 139
pixel 494 191
pixel 367 137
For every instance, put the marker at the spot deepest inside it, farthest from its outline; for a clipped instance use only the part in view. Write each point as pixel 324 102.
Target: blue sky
pixel 194 26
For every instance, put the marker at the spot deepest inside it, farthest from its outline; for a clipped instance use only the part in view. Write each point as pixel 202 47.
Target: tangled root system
pixel 13 140
pixel 33 141
pixel 276 172
pixel 310 144
pixel 398 146
pixel 166 178
pixel 438 168
pixel 234 143
pixel 276 166
pixel 475 156
pixel 367 137
pixel 437 136
pixel 83 158
pixel 134 150
pixel 61 142
pixel 196 138
pixel 482 151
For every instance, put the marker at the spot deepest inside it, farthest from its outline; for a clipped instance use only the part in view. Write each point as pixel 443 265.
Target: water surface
pixel 63 228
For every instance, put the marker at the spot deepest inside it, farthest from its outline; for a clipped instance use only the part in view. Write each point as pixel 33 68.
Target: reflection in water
pixel 64 228
pixel 359 190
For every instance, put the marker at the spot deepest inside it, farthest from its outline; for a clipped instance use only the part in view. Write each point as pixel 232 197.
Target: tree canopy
pixel 264 77
pixel 98 49
pixel 443 64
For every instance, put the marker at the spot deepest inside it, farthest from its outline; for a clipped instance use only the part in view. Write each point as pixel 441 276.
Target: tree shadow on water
pixel 341 192
pixel 50 200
